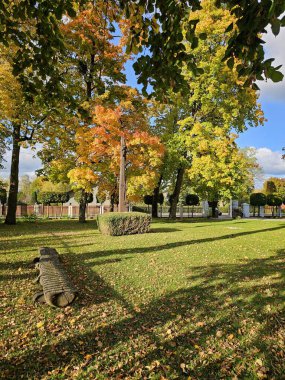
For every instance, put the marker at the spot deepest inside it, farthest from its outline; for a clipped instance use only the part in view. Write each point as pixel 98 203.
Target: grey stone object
pixel 57 288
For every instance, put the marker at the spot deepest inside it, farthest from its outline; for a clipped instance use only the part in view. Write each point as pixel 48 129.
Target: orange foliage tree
pixel 100 146
pixel 93 68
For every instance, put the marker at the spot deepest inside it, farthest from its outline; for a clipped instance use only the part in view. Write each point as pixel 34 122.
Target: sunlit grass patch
pixel 202 299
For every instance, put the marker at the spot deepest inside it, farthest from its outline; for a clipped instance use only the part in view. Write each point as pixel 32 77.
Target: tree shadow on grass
pixel 157 248
pixel 219 326
pixel 162 230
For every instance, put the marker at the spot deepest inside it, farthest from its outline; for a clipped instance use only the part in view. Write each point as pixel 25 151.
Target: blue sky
pixel 266 140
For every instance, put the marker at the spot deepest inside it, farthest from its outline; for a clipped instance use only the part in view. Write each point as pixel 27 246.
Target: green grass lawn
pixel 201 300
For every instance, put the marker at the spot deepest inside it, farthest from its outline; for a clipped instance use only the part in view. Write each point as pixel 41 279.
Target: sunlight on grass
pixel 203 299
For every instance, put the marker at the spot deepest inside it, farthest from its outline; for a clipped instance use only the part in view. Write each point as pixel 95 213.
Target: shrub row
pixel 51 197
pixel 190 199
pixel 123 223
pixel 260 199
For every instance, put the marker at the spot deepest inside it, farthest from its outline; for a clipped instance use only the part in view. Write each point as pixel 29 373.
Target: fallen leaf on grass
pixel 259 362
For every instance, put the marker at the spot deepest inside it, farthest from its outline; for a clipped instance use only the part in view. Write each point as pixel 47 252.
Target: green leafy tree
pixel 46 198
pixel 274 201
pixel 198 128
pixel 20 120
pixel 275 185
pixel 148 199
pixel 34 197
pixel 33 28
pixel 159 26
pixel 269 187
pixel 257 199
pixel 192 200
pixel 156 26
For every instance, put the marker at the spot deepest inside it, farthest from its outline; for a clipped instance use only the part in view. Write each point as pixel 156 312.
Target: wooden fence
pixel 55 212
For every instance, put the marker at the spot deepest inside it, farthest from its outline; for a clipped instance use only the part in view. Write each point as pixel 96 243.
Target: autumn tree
pixel 20 120
pixel 100 145
pixel 269 187
pixel 222 171
pixel 217 103
pixel 93 67
pixel 275 185
pixel 156 27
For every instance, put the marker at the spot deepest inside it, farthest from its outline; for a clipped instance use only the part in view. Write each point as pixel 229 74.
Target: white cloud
pixel 28 163
pixel 271 162
pixel 274 48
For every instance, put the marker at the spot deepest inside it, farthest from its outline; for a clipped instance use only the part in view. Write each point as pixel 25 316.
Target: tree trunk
pixel 122 183
pixel 155 199
pixel 82 207
pixel 112 202
pixel 14 177
pixel 213 205
pixel 176 193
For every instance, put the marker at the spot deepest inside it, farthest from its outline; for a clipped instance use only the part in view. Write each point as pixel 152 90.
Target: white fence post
pixel 181 211
pixel 205 209
pixel 245 210
pixel 36 209
pixel 70 211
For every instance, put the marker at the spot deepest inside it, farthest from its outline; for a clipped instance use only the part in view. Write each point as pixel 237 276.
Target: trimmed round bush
pixel 148 199
pixel 123 223
pixel 257 199
pixel 192 200
pixel 160 199
pixel 273 200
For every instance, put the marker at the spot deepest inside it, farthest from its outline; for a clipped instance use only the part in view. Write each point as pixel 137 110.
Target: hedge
pixel 49 197
pixel 123 223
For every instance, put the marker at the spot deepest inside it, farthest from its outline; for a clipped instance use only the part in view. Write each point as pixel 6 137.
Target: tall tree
pixel 220 170
pixel 19 121
pixel 275 185
pixel 177 158
pixel 93 69
pixel 217 101
pixel 100 145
